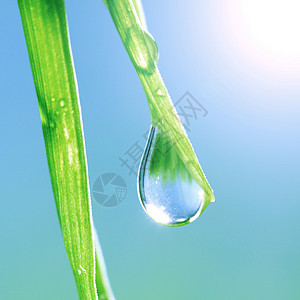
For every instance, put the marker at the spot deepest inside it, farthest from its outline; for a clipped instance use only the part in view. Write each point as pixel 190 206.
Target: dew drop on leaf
pixel 167 191
pixel 152 46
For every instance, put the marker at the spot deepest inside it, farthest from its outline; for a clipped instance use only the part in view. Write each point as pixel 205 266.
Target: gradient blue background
pixel 245 246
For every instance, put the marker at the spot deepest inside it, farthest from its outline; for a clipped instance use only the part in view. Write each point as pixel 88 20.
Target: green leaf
pixel 127 18
pixel 46 34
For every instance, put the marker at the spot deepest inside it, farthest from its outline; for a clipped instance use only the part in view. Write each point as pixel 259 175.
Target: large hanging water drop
pixel 167 191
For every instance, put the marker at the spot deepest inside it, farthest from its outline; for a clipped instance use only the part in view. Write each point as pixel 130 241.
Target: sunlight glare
pixel 274 24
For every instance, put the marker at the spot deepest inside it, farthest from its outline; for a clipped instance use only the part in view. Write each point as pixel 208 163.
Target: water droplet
pixel 152 46
pixel 159 92
pixel 62 103
pixel 167 190
pixel 141 53
pixel 81 269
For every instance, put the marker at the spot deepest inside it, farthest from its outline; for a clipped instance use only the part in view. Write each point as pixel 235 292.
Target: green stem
pixel 46 34
pixel 143 54
pixel 102 282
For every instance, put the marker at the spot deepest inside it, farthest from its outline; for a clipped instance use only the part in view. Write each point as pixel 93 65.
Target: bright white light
pixel 274 24
pixel 260 36
pixel 158 214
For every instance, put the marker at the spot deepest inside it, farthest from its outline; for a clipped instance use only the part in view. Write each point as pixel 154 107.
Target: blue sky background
pixel 246 245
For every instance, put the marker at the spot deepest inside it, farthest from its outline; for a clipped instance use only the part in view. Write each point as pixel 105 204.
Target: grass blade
pixel 143 52
pixel 46 33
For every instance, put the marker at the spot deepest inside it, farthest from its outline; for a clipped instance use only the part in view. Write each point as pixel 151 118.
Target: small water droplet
pixel 167 190
pixel 81 269
pixel 62 103
pixel 159 92
pixel 152 45
pixel 142 54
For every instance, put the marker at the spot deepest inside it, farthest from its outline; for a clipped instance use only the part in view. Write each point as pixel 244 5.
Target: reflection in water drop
pixel 167 191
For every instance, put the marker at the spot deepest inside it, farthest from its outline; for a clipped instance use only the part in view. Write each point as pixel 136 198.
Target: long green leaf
pixel 142 49
pixel 46 34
